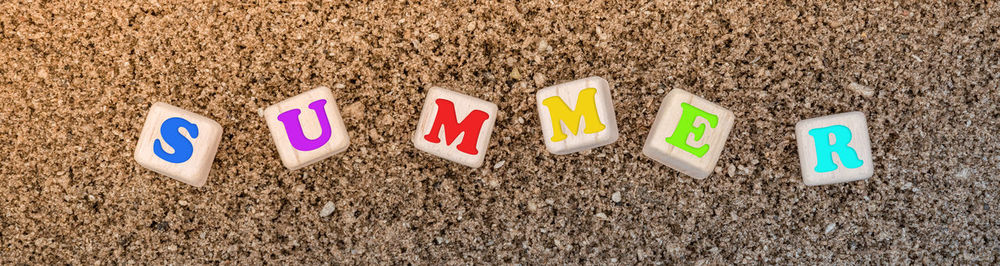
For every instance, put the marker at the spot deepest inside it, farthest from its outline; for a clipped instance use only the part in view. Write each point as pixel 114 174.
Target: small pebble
pixel 514 74
pixel 861 89
pixel 539 79
pixel 328 209
pixel 354 110
pixel 616 197
pixel 963 174
pixel 600 33
pixel 499 164
pixel 543 46
pixel 601 216
pixel 830 227
pixel 339 86
pixel 386 120
pixel 43 73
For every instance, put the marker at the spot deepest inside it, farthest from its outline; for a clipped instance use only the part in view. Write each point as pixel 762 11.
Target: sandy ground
pixel 76 80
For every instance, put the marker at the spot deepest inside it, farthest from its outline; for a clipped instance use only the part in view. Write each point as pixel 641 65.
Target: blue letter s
pixel 172 136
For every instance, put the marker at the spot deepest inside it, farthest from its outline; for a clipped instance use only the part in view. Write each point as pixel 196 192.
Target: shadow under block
pixel 834 149
pixel 307 128
pixel 689 134
pixel 577 115
pixel 177 143
pixel 455 126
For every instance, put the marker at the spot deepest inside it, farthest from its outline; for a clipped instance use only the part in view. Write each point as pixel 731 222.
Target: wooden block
pixel 689 133
pixel 834 149
pixel 455 126
pixel 577 115
pixel 177 143
pixel 307 128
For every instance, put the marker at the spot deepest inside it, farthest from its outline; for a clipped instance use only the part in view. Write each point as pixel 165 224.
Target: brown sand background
pixel 77 78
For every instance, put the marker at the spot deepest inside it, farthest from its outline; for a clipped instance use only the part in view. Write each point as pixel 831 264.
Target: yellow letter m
pixel 585 107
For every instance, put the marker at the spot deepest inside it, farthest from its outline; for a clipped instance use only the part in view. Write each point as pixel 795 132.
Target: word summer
pixel 688 134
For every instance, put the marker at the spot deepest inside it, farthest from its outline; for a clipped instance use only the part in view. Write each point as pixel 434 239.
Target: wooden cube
pixel 689 134
pixel 307 128
pixel 455 126
pixel 177 143
pixel 834 149
pixel 577 115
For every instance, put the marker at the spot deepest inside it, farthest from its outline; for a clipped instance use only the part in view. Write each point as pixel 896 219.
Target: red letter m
pixel 471 125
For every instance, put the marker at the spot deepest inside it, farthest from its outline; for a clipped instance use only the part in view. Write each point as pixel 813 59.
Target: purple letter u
pixel 294 129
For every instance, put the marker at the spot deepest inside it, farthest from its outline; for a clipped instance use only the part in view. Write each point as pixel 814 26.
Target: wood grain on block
pixel 455 126
pixel 834 149
pixel 689 133
pixel 307 128
pixel 178 143
pixel 577 115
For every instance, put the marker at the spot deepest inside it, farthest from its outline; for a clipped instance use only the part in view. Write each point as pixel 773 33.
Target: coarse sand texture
pixel 370 183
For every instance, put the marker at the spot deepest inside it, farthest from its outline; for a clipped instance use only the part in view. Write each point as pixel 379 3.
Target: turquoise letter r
pixel 825 149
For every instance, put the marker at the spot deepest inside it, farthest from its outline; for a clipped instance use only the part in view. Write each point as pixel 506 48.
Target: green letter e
pixel 686 127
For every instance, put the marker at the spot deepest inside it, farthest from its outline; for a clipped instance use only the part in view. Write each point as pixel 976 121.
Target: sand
pixel 76 80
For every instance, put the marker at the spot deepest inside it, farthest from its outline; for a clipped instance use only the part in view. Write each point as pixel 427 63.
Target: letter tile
pixel 689 134
pixel 455 126
pixel 834 149
pixel 577 115
pixel 307 128
pixel 177 143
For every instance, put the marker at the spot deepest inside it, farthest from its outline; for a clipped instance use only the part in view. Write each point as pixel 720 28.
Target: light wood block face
pixel 177 143
pixel 689 134
pixel 455 126
pixel 577 115
pixel 307 128
pixel 834 149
